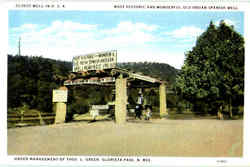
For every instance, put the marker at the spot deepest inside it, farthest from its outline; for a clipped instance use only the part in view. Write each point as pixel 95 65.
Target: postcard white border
pixel 155 161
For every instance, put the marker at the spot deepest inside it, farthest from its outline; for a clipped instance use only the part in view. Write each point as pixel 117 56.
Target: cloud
pixel 127 33
pixel 186 32
pixel 129 27
pixel 25 28
pixel 175 59
pixel 57 34
pixel 68 26
pixel 64 39
pixel 73 34
pixel 57 29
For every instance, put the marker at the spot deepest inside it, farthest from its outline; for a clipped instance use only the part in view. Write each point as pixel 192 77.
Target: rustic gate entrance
pixel 100 69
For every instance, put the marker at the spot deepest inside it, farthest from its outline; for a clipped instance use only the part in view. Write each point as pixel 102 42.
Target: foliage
pixel 213 71
pixel 32 79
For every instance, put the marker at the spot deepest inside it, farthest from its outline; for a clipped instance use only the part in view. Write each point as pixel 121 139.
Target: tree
pixel 31 81
pixel 213 71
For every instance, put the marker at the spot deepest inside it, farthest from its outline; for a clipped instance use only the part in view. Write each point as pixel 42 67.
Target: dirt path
pixel 203 138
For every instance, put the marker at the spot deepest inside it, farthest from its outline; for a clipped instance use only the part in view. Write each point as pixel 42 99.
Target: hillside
pixel 32 79
pixel 158 70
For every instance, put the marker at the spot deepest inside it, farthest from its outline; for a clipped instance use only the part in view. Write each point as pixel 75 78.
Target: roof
pixel 135 79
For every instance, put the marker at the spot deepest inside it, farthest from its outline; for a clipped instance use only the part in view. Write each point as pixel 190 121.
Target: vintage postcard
pixel 124 83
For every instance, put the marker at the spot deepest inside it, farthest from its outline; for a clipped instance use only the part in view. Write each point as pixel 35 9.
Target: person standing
pixel 139 106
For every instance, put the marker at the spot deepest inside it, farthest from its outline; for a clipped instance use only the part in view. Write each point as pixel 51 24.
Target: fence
pixel 18 120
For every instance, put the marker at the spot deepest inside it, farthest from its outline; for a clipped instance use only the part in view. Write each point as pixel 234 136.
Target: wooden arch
pixel 121 79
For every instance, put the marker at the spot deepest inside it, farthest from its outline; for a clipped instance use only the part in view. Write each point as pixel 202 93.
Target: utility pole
pixel 19 47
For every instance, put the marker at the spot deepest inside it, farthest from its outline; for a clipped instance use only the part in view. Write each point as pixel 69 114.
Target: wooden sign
pixel 60 96
pixel 143 77
pixel 95 61
pixel 93 80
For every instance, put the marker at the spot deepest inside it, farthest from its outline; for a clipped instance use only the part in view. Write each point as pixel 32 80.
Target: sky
pixel 152 36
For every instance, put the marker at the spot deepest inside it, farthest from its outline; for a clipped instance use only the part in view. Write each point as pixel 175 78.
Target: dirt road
pixel 160 137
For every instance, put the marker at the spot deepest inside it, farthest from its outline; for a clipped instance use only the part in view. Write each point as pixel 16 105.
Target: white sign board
pixel 95 61
pixel 100 107
pixel 60 96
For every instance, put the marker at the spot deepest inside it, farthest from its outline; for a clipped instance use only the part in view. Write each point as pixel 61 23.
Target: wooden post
pixel 120 100
pixel 163 100
pixel 60 99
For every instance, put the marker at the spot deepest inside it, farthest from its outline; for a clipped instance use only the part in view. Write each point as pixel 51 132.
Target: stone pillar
pixel 120 100
pixel 163 100
pixel 61 109
pixel 60 100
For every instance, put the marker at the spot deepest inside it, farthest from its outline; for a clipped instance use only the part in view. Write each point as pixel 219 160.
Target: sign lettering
pixel 95 61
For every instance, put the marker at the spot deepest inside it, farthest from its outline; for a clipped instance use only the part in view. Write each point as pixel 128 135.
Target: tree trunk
pixel 220 114
pixel 230 108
